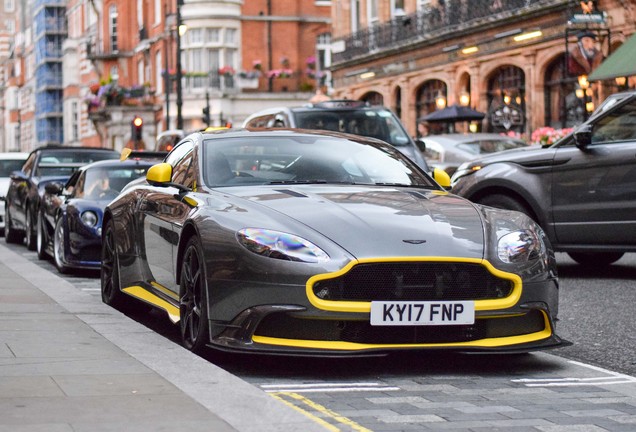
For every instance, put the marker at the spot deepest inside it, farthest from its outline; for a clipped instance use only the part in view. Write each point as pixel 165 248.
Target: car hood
pixel 372 222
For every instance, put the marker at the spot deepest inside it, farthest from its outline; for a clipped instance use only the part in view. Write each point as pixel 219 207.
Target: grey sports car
pixel 321 243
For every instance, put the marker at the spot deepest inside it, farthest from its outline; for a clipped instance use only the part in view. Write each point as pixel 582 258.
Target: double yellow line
pixel 309 407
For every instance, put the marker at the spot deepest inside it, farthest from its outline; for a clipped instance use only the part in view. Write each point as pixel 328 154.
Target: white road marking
pixel 326 387
pixel 609 379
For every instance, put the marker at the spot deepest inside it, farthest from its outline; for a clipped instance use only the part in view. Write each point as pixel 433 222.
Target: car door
pixel 21 182
pixel 594 189
pixel 163 214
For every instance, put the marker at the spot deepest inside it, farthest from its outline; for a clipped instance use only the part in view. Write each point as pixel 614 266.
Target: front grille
pixel 285 326
pixel 418 281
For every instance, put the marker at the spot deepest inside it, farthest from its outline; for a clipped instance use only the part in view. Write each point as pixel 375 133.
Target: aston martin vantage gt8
pixel 320 243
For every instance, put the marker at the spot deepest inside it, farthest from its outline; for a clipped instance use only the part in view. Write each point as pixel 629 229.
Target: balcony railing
pixel 435 22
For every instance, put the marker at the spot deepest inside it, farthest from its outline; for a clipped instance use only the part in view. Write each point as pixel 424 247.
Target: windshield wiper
pixel 404 185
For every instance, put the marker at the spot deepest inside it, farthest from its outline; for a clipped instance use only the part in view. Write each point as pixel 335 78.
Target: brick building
pixel 504 58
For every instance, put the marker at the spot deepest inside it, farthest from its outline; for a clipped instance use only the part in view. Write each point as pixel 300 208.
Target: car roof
pixel 14 156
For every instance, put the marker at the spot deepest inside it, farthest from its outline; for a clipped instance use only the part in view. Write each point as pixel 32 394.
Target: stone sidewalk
pixel 69 363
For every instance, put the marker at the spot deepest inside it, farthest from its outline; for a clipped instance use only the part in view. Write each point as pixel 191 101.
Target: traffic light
pixel 206 115
pixel 137 129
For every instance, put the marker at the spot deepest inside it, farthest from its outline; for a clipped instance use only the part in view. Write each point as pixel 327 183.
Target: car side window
pixel 261 121
pixel 178 152
pixel 619 125
pixel 184 172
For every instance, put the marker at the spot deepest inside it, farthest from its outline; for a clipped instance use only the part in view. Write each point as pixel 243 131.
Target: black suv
pixel 581 190
pixel 26 187
pixel 349 116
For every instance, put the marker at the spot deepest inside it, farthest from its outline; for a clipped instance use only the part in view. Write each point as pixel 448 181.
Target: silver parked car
pixel 581 190
pixel 448 151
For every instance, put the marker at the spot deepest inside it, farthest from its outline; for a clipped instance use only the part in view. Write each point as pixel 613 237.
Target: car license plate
pixel 386 313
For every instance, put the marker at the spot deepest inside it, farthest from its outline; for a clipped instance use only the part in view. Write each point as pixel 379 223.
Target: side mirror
pixel 53 188
pixel 583 136
pixel 160 174
pixel 442 178
pixel 421 144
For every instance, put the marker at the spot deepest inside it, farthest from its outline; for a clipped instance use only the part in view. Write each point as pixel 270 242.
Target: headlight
pixel 520 246
pixel 463 170
pixel 89 218
pixel 279 245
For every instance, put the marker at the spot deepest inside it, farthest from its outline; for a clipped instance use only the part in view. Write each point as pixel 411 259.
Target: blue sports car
pixel 69 224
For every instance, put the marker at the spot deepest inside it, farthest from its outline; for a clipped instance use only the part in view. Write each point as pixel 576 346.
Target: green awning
pixel 621 63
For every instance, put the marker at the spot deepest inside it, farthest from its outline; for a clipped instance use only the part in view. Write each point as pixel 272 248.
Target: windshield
pixel 7 166
pixel 289 159
pixel 106 183
pixel 380 124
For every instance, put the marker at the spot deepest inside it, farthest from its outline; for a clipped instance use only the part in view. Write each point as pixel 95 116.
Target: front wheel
pixel 596 259
pixel 193 308
pixel 58 247
pixel 41 238
pixel 111 289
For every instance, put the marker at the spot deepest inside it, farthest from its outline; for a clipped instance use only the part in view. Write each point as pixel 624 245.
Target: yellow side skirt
pixel 148 297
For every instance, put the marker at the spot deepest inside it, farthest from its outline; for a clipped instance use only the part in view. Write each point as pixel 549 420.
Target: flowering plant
pixel 226 70
pixel 311 62
pixel 284 61
pixel 547 135
pixel 280 73
pixel 253 74
pixel 256 64
pixel 311 73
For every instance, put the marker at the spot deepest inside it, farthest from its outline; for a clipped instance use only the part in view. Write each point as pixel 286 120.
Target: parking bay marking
pixel 609 379
pixel 326 387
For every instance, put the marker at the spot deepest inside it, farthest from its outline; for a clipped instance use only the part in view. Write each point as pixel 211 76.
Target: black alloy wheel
pixel 111 289
pixel 58 246
pixel 193 308
pixel 41 240
pixel 28 228
pixel 11 235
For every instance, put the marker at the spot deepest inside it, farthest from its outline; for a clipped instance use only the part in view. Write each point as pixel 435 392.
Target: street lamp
pixel 178 72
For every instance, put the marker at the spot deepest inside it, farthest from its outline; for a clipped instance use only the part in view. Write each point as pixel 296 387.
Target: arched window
pixel 397 98
pixel 373 98
pixel 562 106
pixel 506 100
pixel 425 104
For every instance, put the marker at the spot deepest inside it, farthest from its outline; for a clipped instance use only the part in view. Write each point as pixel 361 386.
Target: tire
pixel 110 285
pixel 596 259
pixel 40 243
pixel 505 202
pixel 30 236
pixel 193 308
pixel 11 235
pixel 58 247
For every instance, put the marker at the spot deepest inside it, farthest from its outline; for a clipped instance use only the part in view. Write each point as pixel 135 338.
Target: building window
pixel 141 76
pixel 214 35
pixel 158 74
pixel 230 36
pixel 112 26
pixel 427 96
pixel 563 109
pixel 195 36
pixel 157 8
pixel 9 5
pixel 506 100
pixel 355 16
pixel 75 121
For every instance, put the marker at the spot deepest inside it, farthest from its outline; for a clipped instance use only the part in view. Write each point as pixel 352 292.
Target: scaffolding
pixel 50 30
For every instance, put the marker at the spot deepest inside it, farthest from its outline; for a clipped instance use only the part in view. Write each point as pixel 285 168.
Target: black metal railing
pixel 446 18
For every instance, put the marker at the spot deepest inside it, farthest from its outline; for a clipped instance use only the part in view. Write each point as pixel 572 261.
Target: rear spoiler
pixel 141 154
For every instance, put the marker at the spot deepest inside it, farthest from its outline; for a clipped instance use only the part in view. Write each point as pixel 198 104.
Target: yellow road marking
pixel 317 408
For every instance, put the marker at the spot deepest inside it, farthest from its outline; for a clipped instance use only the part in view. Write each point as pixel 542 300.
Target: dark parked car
pixel 9 162
pixel 581 190
pixel 349 116
pixel 291 242
pixel 69 225
pixel 44 164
